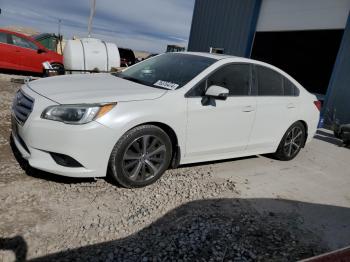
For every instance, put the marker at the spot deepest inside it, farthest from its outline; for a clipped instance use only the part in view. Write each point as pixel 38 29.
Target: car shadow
pixel 15 244
pixel 217 161
pixel 226 229
pixel 36 173
pixel 19 73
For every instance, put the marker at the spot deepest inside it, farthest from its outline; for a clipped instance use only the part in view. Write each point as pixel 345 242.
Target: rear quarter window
pixel 269 82
pixel 289 88
pixel 22 42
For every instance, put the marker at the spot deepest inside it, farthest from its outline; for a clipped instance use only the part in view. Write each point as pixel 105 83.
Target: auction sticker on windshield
pixel 165 84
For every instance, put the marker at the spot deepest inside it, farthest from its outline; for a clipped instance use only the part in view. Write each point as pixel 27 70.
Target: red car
pixel 23 53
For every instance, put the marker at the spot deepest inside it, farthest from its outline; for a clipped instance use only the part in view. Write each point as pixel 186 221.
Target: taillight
pixel 318 104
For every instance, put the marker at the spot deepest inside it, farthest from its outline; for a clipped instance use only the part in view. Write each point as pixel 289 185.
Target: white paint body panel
pixel 221 129
pixel 97 88
pixel 236 127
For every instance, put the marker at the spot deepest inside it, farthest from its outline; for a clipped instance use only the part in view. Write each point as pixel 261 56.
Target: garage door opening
pixel 308 56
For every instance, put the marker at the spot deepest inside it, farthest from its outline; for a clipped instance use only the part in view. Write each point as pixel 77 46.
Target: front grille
pixel 22 106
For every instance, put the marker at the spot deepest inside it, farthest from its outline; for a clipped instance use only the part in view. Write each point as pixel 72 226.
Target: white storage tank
pixel 88 54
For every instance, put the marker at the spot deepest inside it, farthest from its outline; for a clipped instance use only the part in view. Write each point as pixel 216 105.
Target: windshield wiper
pixel 133 79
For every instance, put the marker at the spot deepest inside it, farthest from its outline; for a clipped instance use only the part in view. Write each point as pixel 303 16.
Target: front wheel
pixel 291 143
pixel 140 157
pixel 59 68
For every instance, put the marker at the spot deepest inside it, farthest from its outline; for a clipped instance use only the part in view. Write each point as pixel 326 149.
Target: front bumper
pixel 90 144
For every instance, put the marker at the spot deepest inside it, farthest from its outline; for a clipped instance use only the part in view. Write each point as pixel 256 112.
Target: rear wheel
pixel 292 142
pixel 140 157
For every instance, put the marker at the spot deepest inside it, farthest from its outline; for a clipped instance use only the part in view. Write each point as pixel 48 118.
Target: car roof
pixel 12 32
pixel 224 56
pixel 230 58
pixel 210 55
pixel 23 36
pixel 43 35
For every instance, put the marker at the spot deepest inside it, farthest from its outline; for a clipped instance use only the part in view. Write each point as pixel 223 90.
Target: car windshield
pixel 167 71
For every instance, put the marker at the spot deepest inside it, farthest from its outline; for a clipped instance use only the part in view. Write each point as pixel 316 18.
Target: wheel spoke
pixel 131 156
pixel 132 163
pixel 295 145
pixel 153 167
pixel 137 147
pixel 157 151
pixel 143 172
pixel 156 159
pixel 153 143
pixel 287 143
pixel 136 171
pixel 290 149
pixel 299 134
pixel 145 143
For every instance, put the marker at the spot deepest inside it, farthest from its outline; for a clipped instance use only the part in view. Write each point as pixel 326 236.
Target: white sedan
pixel 172 109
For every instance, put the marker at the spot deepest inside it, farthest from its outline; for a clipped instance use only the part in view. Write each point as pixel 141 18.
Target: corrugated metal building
pixel 308 39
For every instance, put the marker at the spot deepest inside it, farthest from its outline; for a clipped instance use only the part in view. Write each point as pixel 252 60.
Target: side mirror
pixel 217 92
pixel 40 51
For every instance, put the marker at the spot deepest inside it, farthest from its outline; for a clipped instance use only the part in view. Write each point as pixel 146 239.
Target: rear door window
pixel 269 82
pixel 22 42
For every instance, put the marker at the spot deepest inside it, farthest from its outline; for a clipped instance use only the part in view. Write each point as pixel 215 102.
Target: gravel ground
pixel 187 215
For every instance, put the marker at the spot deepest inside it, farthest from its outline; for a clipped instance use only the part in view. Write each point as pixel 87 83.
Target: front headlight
pixel 76 114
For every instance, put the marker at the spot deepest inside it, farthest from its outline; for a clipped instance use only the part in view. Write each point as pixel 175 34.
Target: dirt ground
pixel 252 209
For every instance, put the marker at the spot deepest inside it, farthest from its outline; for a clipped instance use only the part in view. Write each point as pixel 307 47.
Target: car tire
pixel 337 132
pixel 140 157
pixel 59 68
pixel 291 143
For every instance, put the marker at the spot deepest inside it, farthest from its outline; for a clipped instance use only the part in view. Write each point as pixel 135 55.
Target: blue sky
pixel 139 24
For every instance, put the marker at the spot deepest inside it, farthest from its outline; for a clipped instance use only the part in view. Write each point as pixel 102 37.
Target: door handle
pixel 290 105
pixel 248 109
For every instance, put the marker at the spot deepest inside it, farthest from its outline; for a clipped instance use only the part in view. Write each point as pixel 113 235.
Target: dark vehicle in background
pixel 50 41
pixel 342 132
pixel 151 55
pixel 22 53
pixel 175 48
pixel 127 57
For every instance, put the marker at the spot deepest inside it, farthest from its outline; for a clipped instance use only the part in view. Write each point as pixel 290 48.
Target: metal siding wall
pixel 228 24
pixel 338 94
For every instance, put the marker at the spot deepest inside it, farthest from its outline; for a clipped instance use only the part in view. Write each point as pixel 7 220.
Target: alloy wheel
pixel 293 141
pixel 143 158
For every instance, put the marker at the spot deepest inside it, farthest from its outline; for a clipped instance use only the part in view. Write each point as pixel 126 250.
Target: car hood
pixel 93 88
